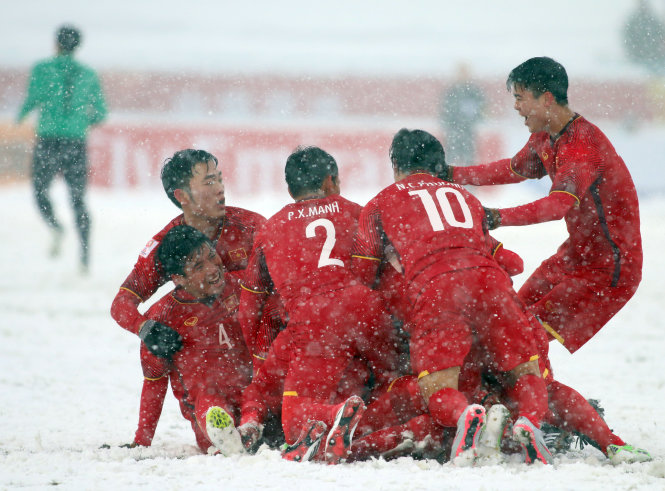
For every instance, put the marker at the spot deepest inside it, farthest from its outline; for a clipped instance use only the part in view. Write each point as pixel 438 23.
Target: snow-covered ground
pixel 70 377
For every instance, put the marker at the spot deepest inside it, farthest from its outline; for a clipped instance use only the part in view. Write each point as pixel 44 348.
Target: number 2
pixel 324 258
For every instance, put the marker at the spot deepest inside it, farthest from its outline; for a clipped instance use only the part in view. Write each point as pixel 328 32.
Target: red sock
pixel 530 395
pixel 397 405
pixel 572 412
pixel 446 406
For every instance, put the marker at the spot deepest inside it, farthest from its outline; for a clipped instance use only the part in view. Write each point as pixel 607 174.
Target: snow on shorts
pixel 574 304
pixel 466 306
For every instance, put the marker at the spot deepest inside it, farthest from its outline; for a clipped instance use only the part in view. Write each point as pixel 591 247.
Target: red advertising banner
pixel 251 158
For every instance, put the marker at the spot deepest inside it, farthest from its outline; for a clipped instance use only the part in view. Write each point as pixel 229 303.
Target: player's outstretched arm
pixel 152 402
pixel 250 313
pixel 552 207
pixel 498 172
pixel 125 311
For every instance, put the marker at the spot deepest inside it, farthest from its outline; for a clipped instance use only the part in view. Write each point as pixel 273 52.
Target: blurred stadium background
pixel 251 82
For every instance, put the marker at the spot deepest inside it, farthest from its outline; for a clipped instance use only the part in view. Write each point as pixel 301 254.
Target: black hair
pixel 178 170
pixel 68 38
pixel 539 75
pixel 307 168
pixel 413 150
pixel 177 247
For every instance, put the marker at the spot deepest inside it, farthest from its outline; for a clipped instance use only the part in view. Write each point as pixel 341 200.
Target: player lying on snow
pixel 210 371
pixel 310 272
pixel 402 405
pixel 401 408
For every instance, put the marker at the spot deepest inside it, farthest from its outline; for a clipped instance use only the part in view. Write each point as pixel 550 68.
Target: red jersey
pixel 604 226
pixel 214 356
pixel 305 249
pixel 433 226
pixel 234 241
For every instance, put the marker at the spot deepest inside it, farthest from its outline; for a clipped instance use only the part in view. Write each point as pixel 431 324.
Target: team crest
pixel 231 303
pixel 545 156
pixel 152 243
pixel 191 321
pixel 238 254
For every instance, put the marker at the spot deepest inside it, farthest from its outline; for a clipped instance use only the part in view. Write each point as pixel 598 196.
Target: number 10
pixel 443 197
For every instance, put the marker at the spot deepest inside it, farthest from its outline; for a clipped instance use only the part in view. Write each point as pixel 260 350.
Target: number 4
pixel 224 338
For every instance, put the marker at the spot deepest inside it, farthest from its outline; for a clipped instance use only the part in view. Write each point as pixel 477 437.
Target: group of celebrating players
pixel 340 332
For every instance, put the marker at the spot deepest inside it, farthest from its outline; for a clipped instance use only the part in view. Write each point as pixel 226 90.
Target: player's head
pixel 417 151
pixel 189 258
pixel 193 183
pixel 310 170
pixel 538 76
pixel 67 39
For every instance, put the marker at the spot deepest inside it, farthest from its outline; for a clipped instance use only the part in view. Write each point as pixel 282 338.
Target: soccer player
pixel 303 252
pixel 458 291
pixel 598 268
pixel 69 98
pixel 213 367
pixel 193 182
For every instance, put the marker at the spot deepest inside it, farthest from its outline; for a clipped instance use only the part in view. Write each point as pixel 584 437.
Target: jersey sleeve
pixel 98 110
pixel 153 394
pixel 368 248
pixel 552 207
pixel 527 164
pixel 147 275
pixel 142 282
pixel 125 310
pixel 32 98
pixel 256 290
pixel 578 165
pixel 498 172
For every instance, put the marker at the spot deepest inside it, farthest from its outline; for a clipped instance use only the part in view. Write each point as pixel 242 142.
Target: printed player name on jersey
pixel 431 184
pixel 313 211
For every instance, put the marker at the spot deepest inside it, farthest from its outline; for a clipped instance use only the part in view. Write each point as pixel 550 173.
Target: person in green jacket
pixel 69 99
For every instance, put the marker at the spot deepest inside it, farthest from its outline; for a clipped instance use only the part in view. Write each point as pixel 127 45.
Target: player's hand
pixel 493 218
pixel 250 436
pixel 161 340
pixel 129 445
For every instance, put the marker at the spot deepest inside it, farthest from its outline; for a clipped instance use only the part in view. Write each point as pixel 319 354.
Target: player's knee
pixel 527 368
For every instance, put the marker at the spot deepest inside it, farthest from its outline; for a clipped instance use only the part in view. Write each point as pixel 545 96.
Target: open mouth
pixel 216 279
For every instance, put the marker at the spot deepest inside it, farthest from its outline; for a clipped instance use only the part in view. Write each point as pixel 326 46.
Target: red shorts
pixel 457 309
pixel 328 331
pixel 338 383
pixel 336 338
pixel 575 304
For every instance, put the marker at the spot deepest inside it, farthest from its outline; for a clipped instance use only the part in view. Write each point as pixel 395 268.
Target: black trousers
pixel 68 157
